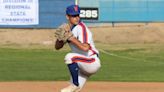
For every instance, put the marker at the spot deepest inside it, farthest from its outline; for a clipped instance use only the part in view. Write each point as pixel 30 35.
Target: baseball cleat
pixel 71 88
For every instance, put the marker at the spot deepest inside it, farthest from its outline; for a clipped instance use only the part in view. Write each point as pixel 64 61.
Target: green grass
pixel 124 62
pixel 133 63
pixel 32 64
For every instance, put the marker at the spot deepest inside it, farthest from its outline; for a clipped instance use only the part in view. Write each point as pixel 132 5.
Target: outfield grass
pixel 128 62
pixel 31 64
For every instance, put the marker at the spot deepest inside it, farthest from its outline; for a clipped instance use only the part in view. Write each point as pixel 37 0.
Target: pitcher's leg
pixel 82 79
pixel 89 69
pixel 80 68
pixel 74 70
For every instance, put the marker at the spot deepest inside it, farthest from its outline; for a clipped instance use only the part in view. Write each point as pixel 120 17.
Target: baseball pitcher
pixel 83 61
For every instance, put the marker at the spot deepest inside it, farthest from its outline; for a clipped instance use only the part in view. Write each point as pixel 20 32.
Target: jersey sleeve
pixel 83 35
pixel 75 31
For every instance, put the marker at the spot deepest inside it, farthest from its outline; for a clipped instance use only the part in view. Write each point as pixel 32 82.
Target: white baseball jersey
pixel 83 34
pixel 87 61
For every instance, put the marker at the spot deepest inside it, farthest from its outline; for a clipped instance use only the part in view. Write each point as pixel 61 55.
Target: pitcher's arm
pixel 82 46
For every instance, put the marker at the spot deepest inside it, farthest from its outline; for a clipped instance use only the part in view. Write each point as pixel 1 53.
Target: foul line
pixel 111 54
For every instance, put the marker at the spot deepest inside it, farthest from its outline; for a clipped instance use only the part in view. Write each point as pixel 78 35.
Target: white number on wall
pixel 87 13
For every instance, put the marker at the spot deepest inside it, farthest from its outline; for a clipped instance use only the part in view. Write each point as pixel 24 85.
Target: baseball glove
pixel 63 33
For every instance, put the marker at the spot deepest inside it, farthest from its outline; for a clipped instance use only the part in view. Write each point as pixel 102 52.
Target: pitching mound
pixel 89 87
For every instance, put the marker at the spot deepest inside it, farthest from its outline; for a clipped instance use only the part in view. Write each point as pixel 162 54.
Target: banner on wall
pixel 19 12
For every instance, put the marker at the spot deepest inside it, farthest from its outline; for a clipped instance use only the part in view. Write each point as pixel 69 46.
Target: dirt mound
pixel 89 87
pixel 125 33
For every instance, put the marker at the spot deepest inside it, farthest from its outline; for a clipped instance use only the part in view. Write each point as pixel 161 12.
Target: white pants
pixel 88 65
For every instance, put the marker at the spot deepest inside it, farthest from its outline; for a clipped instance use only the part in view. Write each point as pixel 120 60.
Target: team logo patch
pixel 76 8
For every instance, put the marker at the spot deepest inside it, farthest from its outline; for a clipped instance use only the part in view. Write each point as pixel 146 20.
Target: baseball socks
pixel 74 71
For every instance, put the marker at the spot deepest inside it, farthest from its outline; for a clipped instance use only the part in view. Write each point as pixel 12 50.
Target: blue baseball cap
pixel 73 10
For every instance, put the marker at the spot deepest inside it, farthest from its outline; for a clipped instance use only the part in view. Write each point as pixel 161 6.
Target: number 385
pixel 88 13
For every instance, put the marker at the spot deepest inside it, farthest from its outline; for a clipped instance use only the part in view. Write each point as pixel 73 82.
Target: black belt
pixel 97 55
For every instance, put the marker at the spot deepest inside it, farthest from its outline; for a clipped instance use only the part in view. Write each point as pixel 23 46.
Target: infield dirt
pixel 120 34
pixel 89 87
